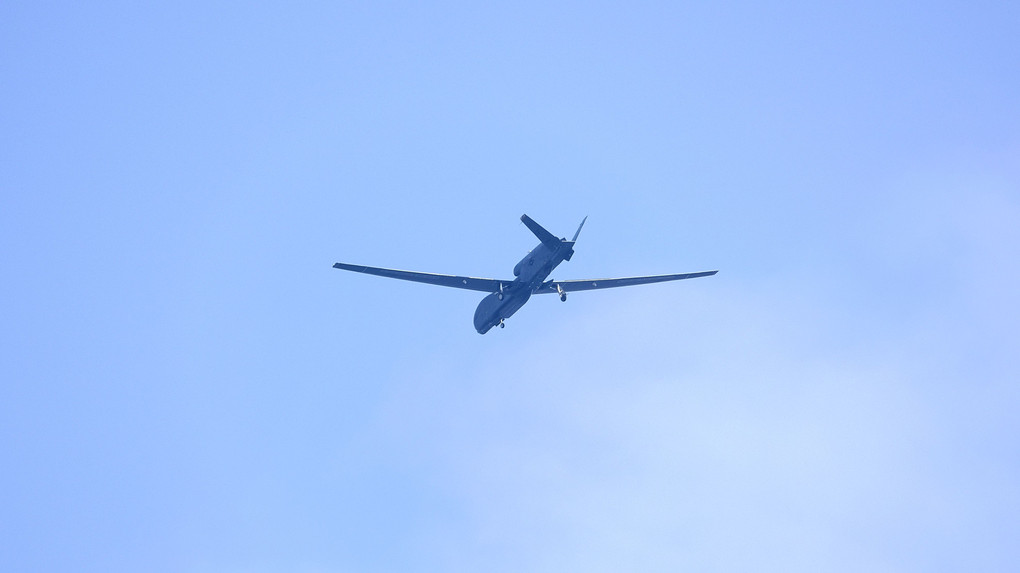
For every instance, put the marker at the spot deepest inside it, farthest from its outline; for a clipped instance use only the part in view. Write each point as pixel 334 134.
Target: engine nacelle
pixel 517 269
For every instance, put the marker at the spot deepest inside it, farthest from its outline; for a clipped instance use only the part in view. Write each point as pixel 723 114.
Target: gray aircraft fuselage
pixel 530 275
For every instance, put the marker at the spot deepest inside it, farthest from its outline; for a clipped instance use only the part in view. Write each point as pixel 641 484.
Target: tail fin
pixel 546 237
pixel 574 240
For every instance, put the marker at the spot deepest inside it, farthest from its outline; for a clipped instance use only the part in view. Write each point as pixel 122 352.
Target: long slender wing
pixel 485 285
pixel 592 284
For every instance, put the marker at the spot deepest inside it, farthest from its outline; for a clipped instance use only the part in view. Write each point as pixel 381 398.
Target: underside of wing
pixel 469 283
pixel 593 284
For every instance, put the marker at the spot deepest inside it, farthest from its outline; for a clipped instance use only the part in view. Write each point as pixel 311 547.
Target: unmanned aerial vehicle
pixel 507 296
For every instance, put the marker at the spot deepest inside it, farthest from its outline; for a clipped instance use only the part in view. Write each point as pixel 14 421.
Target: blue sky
pixel 190 387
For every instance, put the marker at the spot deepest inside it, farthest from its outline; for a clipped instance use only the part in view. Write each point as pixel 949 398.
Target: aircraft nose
pixel 486 313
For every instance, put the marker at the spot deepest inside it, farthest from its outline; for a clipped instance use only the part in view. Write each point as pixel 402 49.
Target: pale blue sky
pixel 188 385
